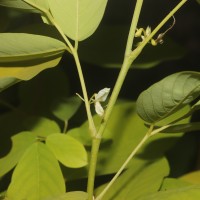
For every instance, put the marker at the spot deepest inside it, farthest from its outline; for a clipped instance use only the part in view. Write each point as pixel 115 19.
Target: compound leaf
pixel 20 142
pixel 67 150
pixel 75 195
pixel 37 175
pixel 188 192
pixel 23 56
pixel 77 18
pixel 19 4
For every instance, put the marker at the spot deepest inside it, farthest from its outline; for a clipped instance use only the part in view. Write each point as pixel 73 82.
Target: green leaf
pixel 98 51
pixel 165 97
pixel 192 177
pixel 20 142
pixel 75 195
pixel 141 178
pixel 67 150
pixel 37 175
pixel 22 5
pixel 15 4
pixel 4 19
pixel 21 46
pixel 41 126
pixel 189 192
pixel 173 183
pixel 124 131
pixel 78 19
pixel 82 133
pixel 23 56
pixel 65 108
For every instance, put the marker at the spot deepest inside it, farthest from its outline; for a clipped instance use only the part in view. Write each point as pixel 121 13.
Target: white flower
pixel 101 96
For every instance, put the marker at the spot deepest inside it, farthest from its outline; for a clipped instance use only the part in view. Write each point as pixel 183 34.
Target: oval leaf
pixel 20 143
pixel 41 126
pixel 22 5
pixel 75 195
pixel 78 19
pixel 23 56
pixel 168 95
pixel 22 46
pixel 37 175
pixel 69 151
pixel 189 192
pixel 16 4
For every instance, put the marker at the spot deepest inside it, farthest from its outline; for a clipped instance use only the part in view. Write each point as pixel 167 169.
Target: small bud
pixel 148 31
pixel 153 42
pixel 138 32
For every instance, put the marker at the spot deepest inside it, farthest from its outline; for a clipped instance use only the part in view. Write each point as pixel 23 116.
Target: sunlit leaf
pixel 20 142
pixel 192 177
pixel 21 46
pixel 168 95
pixel 67 150
pixel 173 183
pixel 75 195
pixel 37 175
pixel 22 5
pixel 189 192
pixel 23 56
pixel 41 126
pixel 124 131
pixel 78 19
pixel 141 178
pixel 15 4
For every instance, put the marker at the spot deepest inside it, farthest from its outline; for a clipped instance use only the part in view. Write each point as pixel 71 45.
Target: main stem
pixel 117 88
pixel 130 56
pixel 93 161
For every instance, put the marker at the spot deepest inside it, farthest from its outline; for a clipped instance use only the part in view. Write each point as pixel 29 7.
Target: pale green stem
pixel 95 149
pixel 145 138
pixel 78 65
pixel 127 63
pixel 93 161
pixel 133 27
pixel 92 127
pixel 53 22
pixel 160 25
pixel 125 67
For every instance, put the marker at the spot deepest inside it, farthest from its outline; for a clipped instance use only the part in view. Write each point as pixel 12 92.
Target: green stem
pixel 146 137
pixel 133 27
pixel 93 161
pixel 95 145
pixel 72 50
pixel 128 60
pixel 125 67
pixel 160 25
pixel 53 22
pixel 92 127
